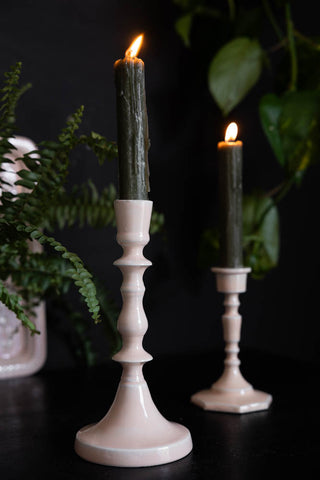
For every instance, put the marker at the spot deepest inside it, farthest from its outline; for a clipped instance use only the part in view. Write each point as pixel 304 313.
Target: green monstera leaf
pixel 233 71
pixel 260 234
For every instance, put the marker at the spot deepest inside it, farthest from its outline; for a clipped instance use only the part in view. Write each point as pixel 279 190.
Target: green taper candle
pixel 230 199
pixel 132 124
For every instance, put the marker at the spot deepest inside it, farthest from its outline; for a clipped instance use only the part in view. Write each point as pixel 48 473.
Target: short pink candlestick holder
pixel 133 433
pixel 232 393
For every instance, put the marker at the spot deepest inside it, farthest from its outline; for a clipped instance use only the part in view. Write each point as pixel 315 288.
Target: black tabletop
pixel 40 415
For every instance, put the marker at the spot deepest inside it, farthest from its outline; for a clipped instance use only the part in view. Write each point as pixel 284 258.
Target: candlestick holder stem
pixel 133 433
pixel 231 392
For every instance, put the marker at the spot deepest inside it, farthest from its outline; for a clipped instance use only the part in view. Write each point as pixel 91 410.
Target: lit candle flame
pixel 231 132
pixel 134 48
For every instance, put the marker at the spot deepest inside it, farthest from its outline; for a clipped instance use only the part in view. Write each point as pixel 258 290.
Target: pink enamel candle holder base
pixel 232 393
pixel 133 433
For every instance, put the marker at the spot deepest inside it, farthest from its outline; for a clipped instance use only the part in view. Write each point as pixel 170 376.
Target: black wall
pixel 68 48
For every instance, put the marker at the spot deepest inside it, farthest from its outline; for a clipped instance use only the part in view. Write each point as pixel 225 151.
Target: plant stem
pixel 307 41
pixel 285 188
pixel 207 11
pixel 281 191
pixel 232 9
pixel 275 190
pixel 292 48
pixel 278 46
pixel 273 21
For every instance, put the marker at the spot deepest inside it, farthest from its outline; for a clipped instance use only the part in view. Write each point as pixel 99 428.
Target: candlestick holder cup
pixel 133 433
pixel 231 392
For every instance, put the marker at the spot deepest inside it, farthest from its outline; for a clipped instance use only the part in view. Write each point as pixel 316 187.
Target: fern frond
pixel 9 98
pixel 83 206
pixel 14 303
pixel 35 274
pixel 67 136
pixel 101 147
pixel 43 178
pixel 80 275
pixel 10 94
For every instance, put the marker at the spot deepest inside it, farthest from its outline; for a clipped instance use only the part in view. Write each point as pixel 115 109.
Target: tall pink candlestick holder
pixel 232 393
pixel 133 433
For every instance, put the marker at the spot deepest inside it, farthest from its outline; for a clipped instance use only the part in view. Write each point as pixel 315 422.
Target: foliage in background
pixel 229 39
pixel 44 205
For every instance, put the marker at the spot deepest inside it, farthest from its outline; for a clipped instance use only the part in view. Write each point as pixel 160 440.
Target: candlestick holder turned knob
pixel 133 433
pixel 231 392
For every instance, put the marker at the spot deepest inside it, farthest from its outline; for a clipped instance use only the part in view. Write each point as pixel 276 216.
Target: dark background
pixel 68 48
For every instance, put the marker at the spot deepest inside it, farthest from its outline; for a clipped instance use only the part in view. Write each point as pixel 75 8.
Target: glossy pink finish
pixel 232 393
pixel 133 433
pixel 20 353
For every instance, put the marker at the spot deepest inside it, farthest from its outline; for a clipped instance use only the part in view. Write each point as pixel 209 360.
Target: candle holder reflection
pixel 133 433
pixel 231 392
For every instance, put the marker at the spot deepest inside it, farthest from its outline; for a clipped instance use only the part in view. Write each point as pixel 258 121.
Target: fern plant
pixel 44 205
